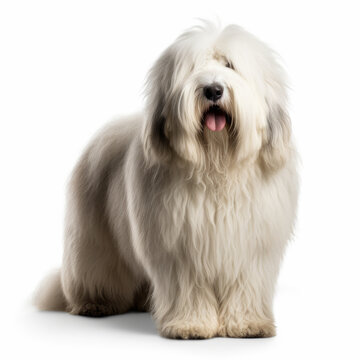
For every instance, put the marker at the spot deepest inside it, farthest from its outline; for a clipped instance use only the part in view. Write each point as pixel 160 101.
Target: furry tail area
pixel 49 295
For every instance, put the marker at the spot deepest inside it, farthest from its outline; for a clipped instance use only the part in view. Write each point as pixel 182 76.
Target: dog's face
pixel 217 99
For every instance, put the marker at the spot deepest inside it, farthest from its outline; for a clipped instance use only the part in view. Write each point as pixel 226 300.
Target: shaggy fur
pixel 165 214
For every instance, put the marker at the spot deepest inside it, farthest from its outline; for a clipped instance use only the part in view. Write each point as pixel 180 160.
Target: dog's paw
pixel 185 330
pixel 92 310
pixel 255 329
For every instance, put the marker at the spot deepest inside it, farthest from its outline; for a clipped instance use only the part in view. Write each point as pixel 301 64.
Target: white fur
pixel 198 221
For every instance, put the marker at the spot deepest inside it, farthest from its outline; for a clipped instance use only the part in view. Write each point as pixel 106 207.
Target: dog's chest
pixel 216 229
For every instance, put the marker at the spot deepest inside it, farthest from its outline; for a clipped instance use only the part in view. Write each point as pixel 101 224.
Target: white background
pixel 68 67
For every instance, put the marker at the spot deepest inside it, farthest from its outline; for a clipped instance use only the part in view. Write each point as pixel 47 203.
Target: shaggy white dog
pixel 187 208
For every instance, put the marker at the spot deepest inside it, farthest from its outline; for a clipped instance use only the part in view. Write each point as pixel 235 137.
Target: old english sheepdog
pixel 185 210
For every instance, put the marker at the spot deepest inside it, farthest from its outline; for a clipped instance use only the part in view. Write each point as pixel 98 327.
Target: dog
pixel 185 209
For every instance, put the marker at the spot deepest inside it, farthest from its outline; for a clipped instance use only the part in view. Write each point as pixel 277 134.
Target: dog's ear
pixel 154 139
pixel 276 139
pixel 163 137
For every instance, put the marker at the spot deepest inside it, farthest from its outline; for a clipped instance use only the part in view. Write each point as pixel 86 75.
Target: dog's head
pixel 217 98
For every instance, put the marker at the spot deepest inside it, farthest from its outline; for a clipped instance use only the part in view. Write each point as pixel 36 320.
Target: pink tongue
pixel 215 122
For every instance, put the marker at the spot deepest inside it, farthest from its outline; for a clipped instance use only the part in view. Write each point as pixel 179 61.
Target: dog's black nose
pixel 213 92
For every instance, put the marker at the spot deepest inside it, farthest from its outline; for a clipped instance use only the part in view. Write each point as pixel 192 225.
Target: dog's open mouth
pixel 215 118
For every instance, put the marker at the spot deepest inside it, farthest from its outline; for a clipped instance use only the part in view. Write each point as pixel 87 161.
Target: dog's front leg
pixel 246 304
pixel 184 309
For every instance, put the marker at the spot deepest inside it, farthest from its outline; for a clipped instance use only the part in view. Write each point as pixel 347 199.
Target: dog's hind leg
pixel 97 279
